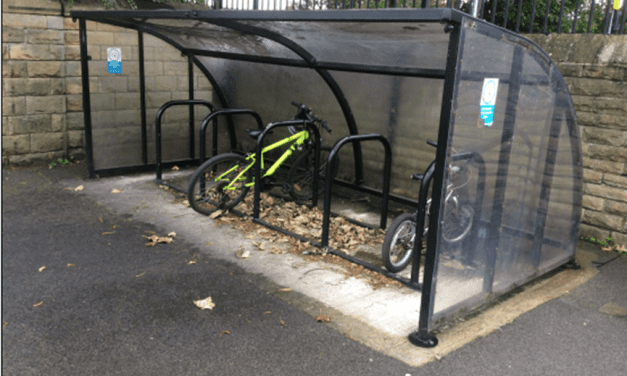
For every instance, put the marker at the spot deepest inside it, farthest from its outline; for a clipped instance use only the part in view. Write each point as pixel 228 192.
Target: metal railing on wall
pixel 521 16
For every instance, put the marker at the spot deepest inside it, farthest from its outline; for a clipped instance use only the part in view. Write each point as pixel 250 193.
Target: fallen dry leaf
pixel 42 269
pixel 108 232
pixel 172 234
pixel 100 219
pixel 205 303
pixel 323 318
pixel 175 168
pixel 215 214
pixel 79 188
pixel 139 275
pixel 116 190
pixel 192 262
pixel 607 249
pixel 285 289
pixel 155 239
pixel 225 332
pixel 71 265
pixel 241 253
pixel 5 324
pixel 38 304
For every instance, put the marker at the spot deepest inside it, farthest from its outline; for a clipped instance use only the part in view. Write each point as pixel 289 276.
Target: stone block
pixel 69 24
pixel 57 52
pixel 613 193
pixel 57 122
pixel 75 139
pixel 13 35
pixel 602 120
pixel 588 162
pixel 13 106
pixel 19 144
pixel 74 103
pixel 101 38
pixel 153 68
pixel 603 220
pixel 73 85
pixel 202 83
pixel 175 68
pixel 591 232
pixel 616 168
pixel 594 203
pixel 604 136
pixel 5 51
pixel 75 120
pixel 14 69
pixel 29 52
pixel 592 176
pixel 614 50
pixel 122 38
pixel 598 88
pixel 29 124
pixel 157 99
pixel 615 180
pixel 27 159
pixel 38 69
pixel 604 72
pixel 74 53
pixel 43 142
pixel 164 83
pixel 51 104
pixel 72 69
pixel 127 101
pixel 25 21
pixel 102 101
pixel 183 83
pixel 611 106
pixel 55 22
pixel 113 84
pixel 71 38
pixel 608 153
pixel 44 36
pixel 570 69
pixel 616 208
pixel 57 86
pixel 23 86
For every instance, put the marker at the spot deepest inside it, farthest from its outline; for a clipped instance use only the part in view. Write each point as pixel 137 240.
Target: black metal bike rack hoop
pixel 213 117
pixel 160 113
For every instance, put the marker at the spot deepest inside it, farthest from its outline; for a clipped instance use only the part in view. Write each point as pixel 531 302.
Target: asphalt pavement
pixel 82 294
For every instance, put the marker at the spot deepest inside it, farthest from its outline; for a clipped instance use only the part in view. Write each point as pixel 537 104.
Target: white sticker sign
pixel 114 58
pixel 488 100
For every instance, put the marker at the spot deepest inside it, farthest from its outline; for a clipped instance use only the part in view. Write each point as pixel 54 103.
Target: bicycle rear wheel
pixel 457 223
pixel 219 184
pixel 398 245
pixel 301 174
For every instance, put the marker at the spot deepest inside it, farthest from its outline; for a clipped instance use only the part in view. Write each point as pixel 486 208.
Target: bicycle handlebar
pixel 305 113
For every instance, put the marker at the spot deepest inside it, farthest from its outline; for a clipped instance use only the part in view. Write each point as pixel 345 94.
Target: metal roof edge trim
pixel 353 15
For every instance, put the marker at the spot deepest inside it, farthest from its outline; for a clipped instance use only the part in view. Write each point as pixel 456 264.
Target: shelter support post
pixel 89 149
pixel 142 96
pixel 422 337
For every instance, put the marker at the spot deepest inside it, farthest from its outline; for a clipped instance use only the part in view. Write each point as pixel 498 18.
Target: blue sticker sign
pixel 488 100
pixel 114 59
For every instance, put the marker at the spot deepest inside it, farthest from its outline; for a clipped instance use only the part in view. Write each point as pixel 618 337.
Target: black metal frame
pixel 451 76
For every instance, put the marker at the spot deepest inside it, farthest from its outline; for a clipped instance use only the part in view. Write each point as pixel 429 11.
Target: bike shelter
pixel 387 81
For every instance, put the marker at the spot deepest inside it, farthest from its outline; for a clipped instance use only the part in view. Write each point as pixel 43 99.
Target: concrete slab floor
pixel 380 319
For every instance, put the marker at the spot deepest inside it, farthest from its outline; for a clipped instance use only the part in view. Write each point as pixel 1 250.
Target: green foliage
pixel 61 161
pixel 553 20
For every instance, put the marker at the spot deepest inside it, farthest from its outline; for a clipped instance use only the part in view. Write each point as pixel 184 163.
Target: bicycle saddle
pixel 254 133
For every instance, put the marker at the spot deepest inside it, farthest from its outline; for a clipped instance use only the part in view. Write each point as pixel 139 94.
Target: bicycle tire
pixel 455 227
pixel 206 195
pixel 398 245
pixel 301 175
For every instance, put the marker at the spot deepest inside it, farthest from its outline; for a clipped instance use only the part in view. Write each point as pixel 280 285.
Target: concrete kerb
pixel 380 319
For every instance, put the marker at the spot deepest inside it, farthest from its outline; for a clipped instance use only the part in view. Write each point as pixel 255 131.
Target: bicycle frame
pixel 298 139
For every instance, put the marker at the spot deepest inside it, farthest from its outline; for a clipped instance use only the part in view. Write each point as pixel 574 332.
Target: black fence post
pixel 89 149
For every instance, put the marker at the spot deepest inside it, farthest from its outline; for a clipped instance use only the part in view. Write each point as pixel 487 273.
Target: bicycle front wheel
pixel 457 223
pixel 219 183
pixel 398 245
pixel 302 173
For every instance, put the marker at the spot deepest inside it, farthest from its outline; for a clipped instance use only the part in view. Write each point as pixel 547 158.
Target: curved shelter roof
pixel 492 99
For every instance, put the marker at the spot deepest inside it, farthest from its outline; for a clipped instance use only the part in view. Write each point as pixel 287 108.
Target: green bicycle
pixel 224 180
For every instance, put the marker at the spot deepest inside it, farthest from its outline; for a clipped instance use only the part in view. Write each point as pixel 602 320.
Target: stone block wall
pixel 42 117
pixel 595 70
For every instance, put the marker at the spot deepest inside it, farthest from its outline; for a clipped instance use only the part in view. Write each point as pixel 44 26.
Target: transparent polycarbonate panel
pixel 206 36
pixel 389 44
pixel 519 183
